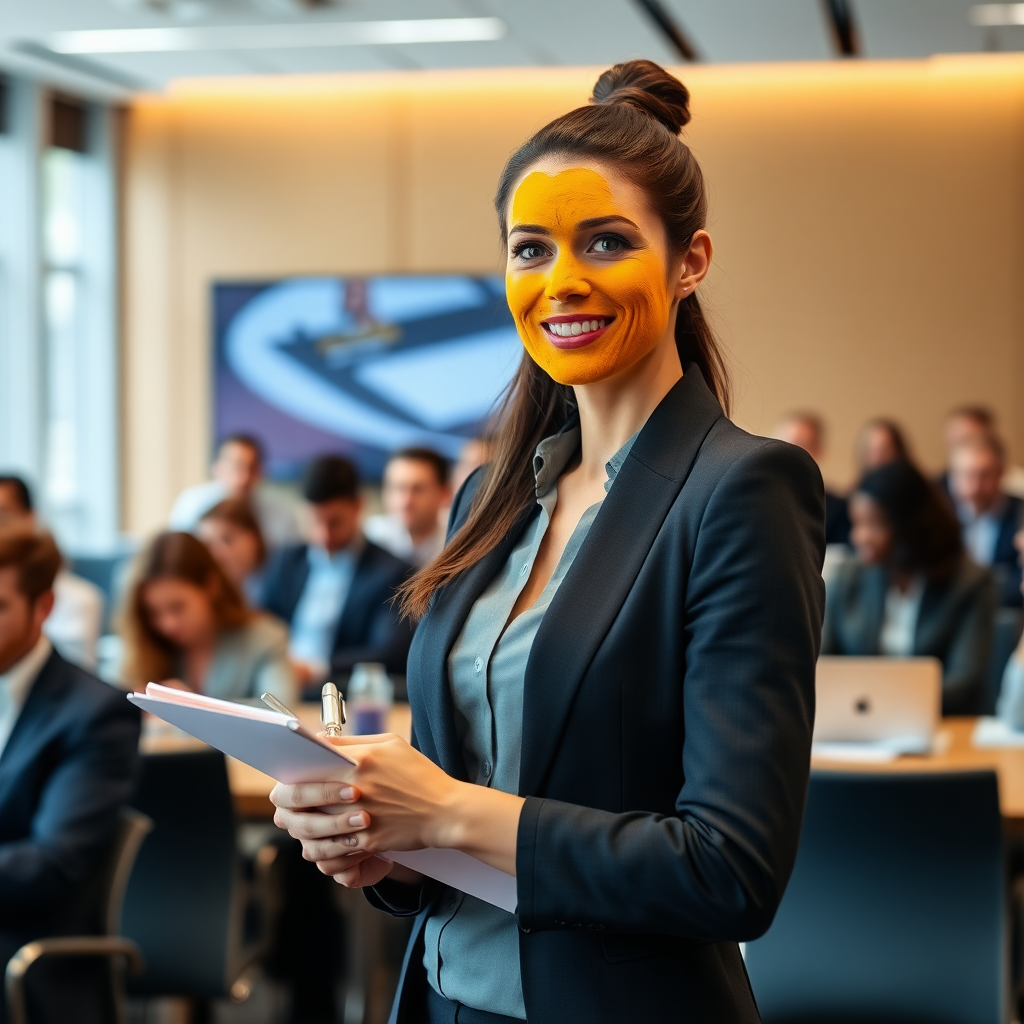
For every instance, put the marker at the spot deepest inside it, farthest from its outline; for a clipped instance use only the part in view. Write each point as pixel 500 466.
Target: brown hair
pixel 238 512
pixel 172 556
pixel 34 555
pixel 633 121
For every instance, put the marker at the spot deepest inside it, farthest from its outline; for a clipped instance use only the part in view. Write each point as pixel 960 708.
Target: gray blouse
pixel 472 948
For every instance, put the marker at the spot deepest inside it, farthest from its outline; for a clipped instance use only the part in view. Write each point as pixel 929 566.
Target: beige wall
pixel 867 220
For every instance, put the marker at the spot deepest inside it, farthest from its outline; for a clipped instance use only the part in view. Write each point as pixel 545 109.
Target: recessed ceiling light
pixel 997 14
pixel 275 37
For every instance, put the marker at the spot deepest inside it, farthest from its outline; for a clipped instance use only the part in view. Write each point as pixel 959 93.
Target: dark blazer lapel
pixel 32 724
pixel 298 573
pixel 447 616
pixel 607 565
pixel 360 594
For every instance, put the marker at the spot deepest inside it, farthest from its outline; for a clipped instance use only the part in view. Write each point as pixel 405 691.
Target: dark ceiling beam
pixel 669 28
pixel 845 37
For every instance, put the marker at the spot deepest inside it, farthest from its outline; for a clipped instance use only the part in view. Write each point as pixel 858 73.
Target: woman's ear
pixel 696 264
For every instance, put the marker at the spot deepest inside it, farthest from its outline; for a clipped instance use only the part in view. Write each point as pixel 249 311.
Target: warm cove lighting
pixel 997 14
pixel 276 37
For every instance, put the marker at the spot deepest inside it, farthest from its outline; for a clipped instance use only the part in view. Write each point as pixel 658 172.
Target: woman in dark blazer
pixel 612 681
pixel 911 589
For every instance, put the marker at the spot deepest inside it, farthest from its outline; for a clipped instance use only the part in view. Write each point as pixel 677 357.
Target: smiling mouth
pixel 575 331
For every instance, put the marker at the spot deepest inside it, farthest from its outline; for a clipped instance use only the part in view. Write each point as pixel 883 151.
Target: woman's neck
pixel 613 410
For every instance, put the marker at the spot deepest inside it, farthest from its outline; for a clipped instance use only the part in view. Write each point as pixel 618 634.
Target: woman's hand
pixel 396 799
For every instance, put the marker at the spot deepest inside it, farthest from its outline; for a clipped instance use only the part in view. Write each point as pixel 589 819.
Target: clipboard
pixel 283 748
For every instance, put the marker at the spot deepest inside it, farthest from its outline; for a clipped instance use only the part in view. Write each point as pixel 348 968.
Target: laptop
pixel 876 708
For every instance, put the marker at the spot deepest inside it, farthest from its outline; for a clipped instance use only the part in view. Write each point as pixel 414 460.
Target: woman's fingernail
pixel 346 793
pixel 351 840
pixel 357 819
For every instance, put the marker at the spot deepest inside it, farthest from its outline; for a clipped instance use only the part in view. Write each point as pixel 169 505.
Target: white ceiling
pixel 539 32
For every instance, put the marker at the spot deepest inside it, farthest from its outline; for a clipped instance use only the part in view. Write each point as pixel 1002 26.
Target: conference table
pixel 956 752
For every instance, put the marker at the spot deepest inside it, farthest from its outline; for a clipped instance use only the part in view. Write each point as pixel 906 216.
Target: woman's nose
pixel 566 280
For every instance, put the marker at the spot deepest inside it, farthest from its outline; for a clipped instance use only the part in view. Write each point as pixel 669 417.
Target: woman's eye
pixel 609 243
pixel 528 251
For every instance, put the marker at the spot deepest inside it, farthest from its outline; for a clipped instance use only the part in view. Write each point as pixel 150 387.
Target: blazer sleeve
pixel 77 810
pixel 717 868
pixel 967 657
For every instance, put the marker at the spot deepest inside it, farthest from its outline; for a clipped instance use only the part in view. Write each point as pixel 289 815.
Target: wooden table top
pixel 958 753
pixel 250 788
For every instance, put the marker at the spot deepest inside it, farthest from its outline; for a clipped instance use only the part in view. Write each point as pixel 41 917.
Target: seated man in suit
pixel 68 759
pixel 988 517
pixel 75 623
pixel 336 592
pixel 807 430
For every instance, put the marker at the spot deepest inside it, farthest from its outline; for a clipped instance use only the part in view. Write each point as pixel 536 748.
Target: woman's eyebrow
pixel 533 229
pixel 599 222
pixel 583 225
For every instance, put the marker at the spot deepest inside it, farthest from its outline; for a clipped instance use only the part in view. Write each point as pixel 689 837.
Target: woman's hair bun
pixel 648 87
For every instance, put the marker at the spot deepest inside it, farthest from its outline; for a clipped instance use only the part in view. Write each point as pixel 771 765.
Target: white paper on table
pixel 994 732
pixel 283 748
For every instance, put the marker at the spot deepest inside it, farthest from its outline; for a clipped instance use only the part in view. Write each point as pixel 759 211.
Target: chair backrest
pixel 1009 624
pixel 132 830
pixel 896 908
pixel 179 906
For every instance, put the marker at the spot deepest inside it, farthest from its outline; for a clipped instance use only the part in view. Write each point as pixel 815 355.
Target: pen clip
pixel 332 710
pixel 275 705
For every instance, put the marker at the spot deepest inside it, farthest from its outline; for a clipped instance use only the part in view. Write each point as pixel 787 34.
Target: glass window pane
pixel 61 305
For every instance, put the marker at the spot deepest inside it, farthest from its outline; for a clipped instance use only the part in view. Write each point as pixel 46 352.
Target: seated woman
pixel 880 441
pixel 185 621
pixel 911 589
pixel 1011 694
pixel 232 533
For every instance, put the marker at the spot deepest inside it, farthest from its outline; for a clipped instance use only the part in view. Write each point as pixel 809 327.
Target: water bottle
pixel 369 699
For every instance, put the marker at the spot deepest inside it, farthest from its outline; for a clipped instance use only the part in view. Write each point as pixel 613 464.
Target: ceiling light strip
pixel 276 37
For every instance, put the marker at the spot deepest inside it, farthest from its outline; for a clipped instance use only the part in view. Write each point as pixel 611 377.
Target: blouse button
pixel 525 569
pixel 486 767
pixel 478 664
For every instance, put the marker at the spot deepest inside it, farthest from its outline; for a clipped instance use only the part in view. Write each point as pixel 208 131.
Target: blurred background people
pixel 989 518
pixel 879 442
pixel 184 621
pixel 232 534
pixel 416 495
pixel 911 589
pixel 76 619
pixel 1011 694
pixel 970 423
pixel 475 452
pixel 237 472
pixel 68 761
pixel 336 591
pixel 807 430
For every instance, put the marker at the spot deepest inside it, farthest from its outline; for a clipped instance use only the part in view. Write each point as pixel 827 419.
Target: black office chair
pixel 896 911
pixel 201 926
pixel 1009 624
pixel 107 895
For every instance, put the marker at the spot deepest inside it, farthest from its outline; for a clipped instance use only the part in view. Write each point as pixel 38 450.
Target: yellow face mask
pixel 588 299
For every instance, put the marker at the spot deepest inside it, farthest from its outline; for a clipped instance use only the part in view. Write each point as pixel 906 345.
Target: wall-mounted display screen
pixel 360 365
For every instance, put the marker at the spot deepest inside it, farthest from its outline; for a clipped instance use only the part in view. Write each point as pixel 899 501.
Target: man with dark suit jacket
pixel 989 518
pixel 336 592
pixel 68 760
